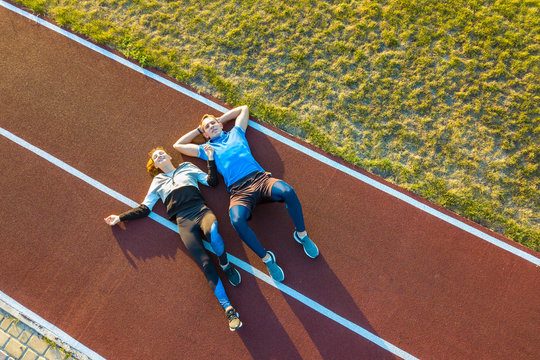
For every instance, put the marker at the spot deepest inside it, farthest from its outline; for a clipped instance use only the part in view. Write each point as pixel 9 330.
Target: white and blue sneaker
pixel 273 269
pixel 310 248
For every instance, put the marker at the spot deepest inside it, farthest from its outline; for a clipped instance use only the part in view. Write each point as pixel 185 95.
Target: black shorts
pixel 252 190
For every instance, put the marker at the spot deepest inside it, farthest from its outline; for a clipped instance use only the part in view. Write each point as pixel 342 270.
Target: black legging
pixel 190 233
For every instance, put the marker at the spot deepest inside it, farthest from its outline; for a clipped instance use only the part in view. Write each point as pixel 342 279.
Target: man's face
pixel 211 128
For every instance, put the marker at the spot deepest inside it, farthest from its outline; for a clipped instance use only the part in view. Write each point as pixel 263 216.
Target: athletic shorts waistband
pixel 243 180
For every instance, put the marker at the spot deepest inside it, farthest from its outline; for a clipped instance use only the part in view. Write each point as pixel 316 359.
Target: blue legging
pixel 281 191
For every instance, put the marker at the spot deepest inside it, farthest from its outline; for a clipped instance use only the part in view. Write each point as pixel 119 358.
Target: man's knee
pixel 289 191
pixel 239 216
pixel 283 191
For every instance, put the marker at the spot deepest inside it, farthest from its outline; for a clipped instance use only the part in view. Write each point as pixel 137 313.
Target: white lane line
pixel 457 223
pixel 241 264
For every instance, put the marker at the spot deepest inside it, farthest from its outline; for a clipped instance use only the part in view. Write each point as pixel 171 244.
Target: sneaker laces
pixel 231 315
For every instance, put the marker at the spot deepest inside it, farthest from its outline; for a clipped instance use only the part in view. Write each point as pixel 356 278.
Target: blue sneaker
pixel 275 271
pixel 310 248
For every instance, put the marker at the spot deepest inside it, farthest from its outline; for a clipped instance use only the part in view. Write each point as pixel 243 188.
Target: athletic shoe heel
pixel 310 248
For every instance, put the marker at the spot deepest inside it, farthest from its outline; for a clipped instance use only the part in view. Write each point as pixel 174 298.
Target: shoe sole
pixel 239 326
pixel 239 280
pixel 236 328
pixel 297 238
pixel 230 282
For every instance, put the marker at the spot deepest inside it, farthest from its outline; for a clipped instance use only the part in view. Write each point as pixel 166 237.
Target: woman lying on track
pixel 178 189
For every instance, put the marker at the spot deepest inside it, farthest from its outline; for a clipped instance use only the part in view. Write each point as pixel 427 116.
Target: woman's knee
pixel 214 229
pixel 216 241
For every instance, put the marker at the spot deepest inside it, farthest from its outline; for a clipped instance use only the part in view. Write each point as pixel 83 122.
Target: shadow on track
pixel 315 279
pixel 262 333
pixel 138 241
pixel 311 277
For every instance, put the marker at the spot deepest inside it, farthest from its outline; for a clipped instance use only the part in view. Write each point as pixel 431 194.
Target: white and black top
pixel 178 190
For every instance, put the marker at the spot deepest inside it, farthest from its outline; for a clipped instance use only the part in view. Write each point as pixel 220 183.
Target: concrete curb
pixel 24 338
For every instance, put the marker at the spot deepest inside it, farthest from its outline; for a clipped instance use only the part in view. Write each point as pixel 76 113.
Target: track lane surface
pixel 403 275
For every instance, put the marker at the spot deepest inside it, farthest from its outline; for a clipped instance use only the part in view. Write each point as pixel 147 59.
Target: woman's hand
pixel 209 151
pixel 112 220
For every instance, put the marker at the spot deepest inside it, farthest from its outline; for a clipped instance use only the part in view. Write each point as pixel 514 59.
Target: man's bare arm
pixel 185 145
pixel 240 114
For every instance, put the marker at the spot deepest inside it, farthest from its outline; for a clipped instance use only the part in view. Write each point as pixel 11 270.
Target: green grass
pixel 438 97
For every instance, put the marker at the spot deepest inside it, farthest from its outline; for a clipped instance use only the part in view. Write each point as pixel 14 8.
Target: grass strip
pixel 440 98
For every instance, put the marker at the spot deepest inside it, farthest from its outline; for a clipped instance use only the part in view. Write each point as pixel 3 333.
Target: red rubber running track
pixel 423 285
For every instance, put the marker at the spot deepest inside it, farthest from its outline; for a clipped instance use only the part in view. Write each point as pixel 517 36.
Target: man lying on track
pixel 177 188
pixel 247 182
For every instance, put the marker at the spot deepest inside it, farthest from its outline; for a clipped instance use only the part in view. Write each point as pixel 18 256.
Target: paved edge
pixel 58 344
pixel 20 341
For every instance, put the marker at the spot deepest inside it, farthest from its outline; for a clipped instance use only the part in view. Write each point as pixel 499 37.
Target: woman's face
pixel 160 158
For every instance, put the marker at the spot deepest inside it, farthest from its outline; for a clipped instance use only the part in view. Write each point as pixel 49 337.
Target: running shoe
pixel 232 274
pixel 310 248
pixel 275 271
pixel 234 321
